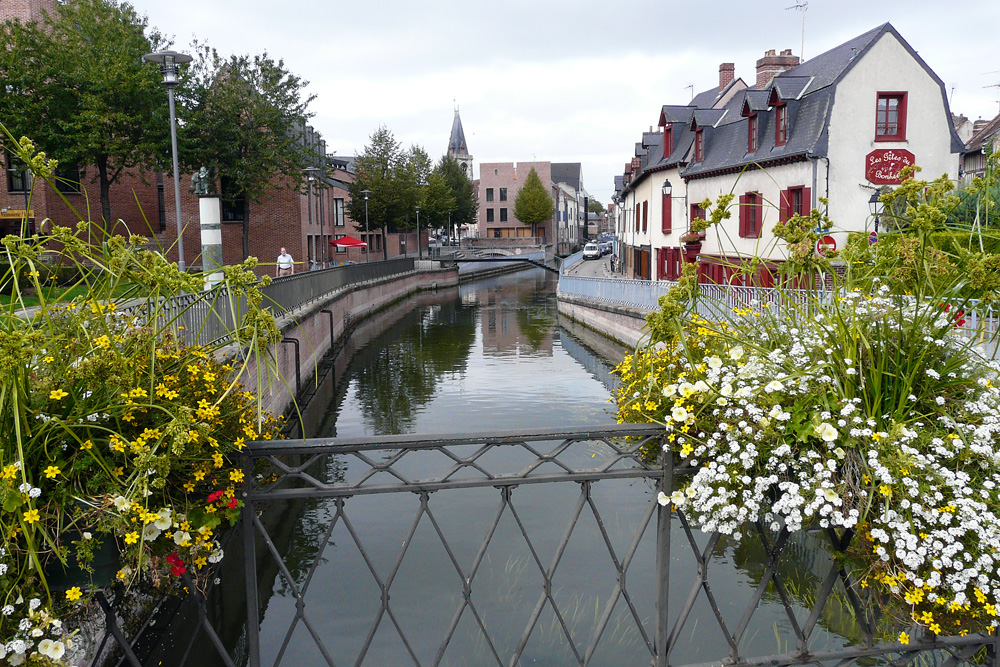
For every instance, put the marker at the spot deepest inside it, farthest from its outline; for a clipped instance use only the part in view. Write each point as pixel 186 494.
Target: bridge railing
pixel 510 464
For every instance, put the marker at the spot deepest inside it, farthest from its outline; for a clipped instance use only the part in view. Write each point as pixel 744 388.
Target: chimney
pixel 727 72
pixel 771 65
pixel 978 126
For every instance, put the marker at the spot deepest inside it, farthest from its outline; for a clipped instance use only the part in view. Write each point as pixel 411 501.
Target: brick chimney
pixel 727 72
pixel 771 65
pixel 978 125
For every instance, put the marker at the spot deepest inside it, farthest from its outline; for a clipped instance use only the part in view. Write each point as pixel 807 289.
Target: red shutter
pixel 806 201
pixel 661 264
pixel 645 215
pixel 667 214
pixel 744 216
pixel 638 211
pixel 784 205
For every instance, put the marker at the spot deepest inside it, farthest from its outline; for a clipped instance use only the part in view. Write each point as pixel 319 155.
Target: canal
pixel 495 355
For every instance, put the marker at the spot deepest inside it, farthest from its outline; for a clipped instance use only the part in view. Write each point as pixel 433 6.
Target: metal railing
pixel 292 471
pixel 638 294
pixel 571 260
pixel 203 318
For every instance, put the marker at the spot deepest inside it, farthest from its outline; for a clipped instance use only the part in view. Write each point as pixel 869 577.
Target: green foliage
pixel 77 84
pixel 533 205
pixel 466 204
pixel 594 206
pixel 439 202
pixel 243 119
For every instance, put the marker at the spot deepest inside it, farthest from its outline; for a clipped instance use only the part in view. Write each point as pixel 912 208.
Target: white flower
pixel 150 532
pixel 702 386
pixel 679 414
pixel 670 390
pixel 736 353
pixel 16 659
pixel 839 451
pixel 217 555
pixel 51 649
pixel 827 432
pixel 87 536
pixel 37 632
pixel 830 495
pixel 663 499
pixel 686 389
pixel 165 520
pixel 122 504
pixel 714 362
pixel 726 390
pixel 678 498
pixel 7 610
pixel 181 536
pixel 34 603
pixel 773 385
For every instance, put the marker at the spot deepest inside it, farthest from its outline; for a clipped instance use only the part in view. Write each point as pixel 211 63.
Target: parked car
pixel 607 247
pixel 591 251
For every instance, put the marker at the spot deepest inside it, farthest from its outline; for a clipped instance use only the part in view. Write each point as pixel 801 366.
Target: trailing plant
pixel 115 431
pixel 866 407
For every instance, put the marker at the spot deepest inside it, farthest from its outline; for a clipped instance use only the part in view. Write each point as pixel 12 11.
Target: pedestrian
pixel 285 266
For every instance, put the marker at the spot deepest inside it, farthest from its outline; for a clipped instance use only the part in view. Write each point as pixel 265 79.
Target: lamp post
pixel 368 240
pixel 169 62
pixel 420 250
pixel 318 247
pixel 877 207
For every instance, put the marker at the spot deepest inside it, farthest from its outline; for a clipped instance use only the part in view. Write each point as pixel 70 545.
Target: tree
pixel 595 206
pixel 245 120
pixel 77 86
pixel 439 201
pixel 466 205
pixel 533 204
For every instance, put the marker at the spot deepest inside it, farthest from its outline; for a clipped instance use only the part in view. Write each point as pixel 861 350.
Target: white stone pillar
pixel 210 215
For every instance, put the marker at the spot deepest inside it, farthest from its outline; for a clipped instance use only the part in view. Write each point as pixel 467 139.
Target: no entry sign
pixel 825 245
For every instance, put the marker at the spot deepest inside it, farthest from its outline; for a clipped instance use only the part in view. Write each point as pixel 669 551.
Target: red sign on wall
pixel 882 166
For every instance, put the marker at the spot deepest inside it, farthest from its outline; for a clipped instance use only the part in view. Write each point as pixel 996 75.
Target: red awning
pixel 348 242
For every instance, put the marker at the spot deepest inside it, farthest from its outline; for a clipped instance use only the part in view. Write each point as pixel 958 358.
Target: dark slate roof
pixel 456 144
pixel 711 97
pixel 983 136
pixel 756 100
pixel 710 117
pixel 619 183
pixel 566 172
pixel 827 68
pixel 791 87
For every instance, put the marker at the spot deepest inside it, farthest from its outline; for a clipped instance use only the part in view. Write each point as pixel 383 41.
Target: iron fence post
pixel 250 563
pixel 664 513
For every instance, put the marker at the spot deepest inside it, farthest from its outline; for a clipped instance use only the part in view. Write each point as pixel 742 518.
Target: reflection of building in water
pixel 516 319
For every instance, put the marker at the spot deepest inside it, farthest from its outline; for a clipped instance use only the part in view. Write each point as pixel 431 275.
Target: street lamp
pixel 420 251
pixel 877 207
pixel 169 62
pixel 667 188
pixel 368 240
pixel 309 208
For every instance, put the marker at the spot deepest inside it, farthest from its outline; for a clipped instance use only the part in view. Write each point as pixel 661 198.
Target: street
pixel 592 268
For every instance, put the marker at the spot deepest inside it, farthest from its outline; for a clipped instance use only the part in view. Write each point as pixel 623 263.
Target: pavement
pixel 593 268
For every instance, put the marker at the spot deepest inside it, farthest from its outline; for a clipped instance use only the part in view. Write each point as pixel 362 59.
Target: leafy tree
pixel 245 119
pixel 439 201
pixel 76 84
pixel 595 206
pixel 466 206
pixel 533 205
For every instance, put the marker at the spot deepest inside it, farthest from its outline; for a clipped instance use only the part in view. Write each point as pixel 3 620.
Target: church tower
pixel 457 148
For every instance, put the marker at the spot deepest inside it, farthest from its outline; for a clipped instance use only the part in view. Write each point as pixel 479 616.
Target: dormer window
pixel 780 125
pixel 699 145
pixel 668 140
pixel 890 117
pixel 752 134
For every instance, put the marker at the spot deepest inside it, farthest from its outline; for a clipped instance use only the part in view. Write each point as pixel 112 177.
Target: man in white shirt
pixel 285 265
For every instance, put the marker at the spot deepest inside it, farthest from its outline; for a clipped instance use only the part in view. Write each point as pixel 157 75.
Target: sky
pixel 557 80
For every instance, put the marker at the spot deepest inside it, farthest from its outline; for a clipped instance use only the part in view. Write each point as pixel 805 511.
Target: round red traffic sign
pixel 825 245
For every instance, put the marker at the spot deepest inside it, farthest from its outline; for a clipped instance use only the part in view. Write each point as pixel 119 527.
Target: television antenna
pixel 994 85
pixel 691 86
pixel 804 6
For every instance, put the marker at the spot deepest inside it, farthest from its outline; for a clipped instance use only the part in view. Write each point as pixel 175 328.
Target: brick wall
pixel 25 10
pixel 509 175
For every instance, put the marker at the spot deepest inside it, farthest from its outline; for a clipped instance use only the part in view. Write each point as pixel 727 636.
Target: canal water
pixel 495 355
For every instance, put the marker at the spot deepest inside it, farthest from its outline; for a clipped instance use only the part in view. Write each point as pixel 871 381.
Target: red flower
pixel 233 502
pixel 215 496
pixel 174 559
pixel 178 569
pixel 959 323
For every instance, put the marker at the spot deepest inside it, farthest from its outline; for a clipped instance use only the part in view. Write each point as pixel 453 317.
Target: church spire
pixel 457 147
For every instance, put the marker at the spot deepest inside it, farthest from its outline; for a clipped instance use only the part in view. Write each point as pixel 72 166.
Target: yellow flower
pixel 119 471
pixel 87 444
pixel 236 476
pixel 904 638
pixel 199 475
pixel 217 459
pixel 74 594
pixel 49 359
pixel 240 443
pixel 31 516
pixel 102 342
pixel 58 394
pixel 52 472
pixel 131 538
pixel 9 472
pixel 935 628
pixel 189 487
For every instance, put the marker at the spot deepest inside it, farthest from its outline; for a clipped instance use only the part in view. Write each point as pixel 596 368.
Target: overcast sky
pixel 557 80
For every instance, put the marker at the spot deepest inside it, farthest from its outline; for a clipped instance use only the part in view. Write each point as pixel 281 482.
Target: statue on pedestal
pixel 199 182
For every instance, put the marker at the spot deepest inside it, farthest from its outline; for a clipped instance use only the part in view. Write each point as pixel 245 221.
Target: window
pixel 496 233
pixel 699 145
pixel 638 216
pixel 645 216
pixel 338 212
pixel 752 134
pixel 489 194
pixel 697 212
pixel 780 125
pixel 338 248
pixel 890 117
pixel 795 201
pixel 161 203
pixel 18 177
pixel 666 221
pixel 489 214
pixel 668 140
pixel 503 214
pixel 232 204
pixel 503 194
pixel 751 212
pixel 68 178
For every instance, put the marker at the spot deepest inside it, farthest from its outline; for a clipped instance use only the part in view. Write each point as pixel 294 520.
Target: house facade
pixel 838 126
